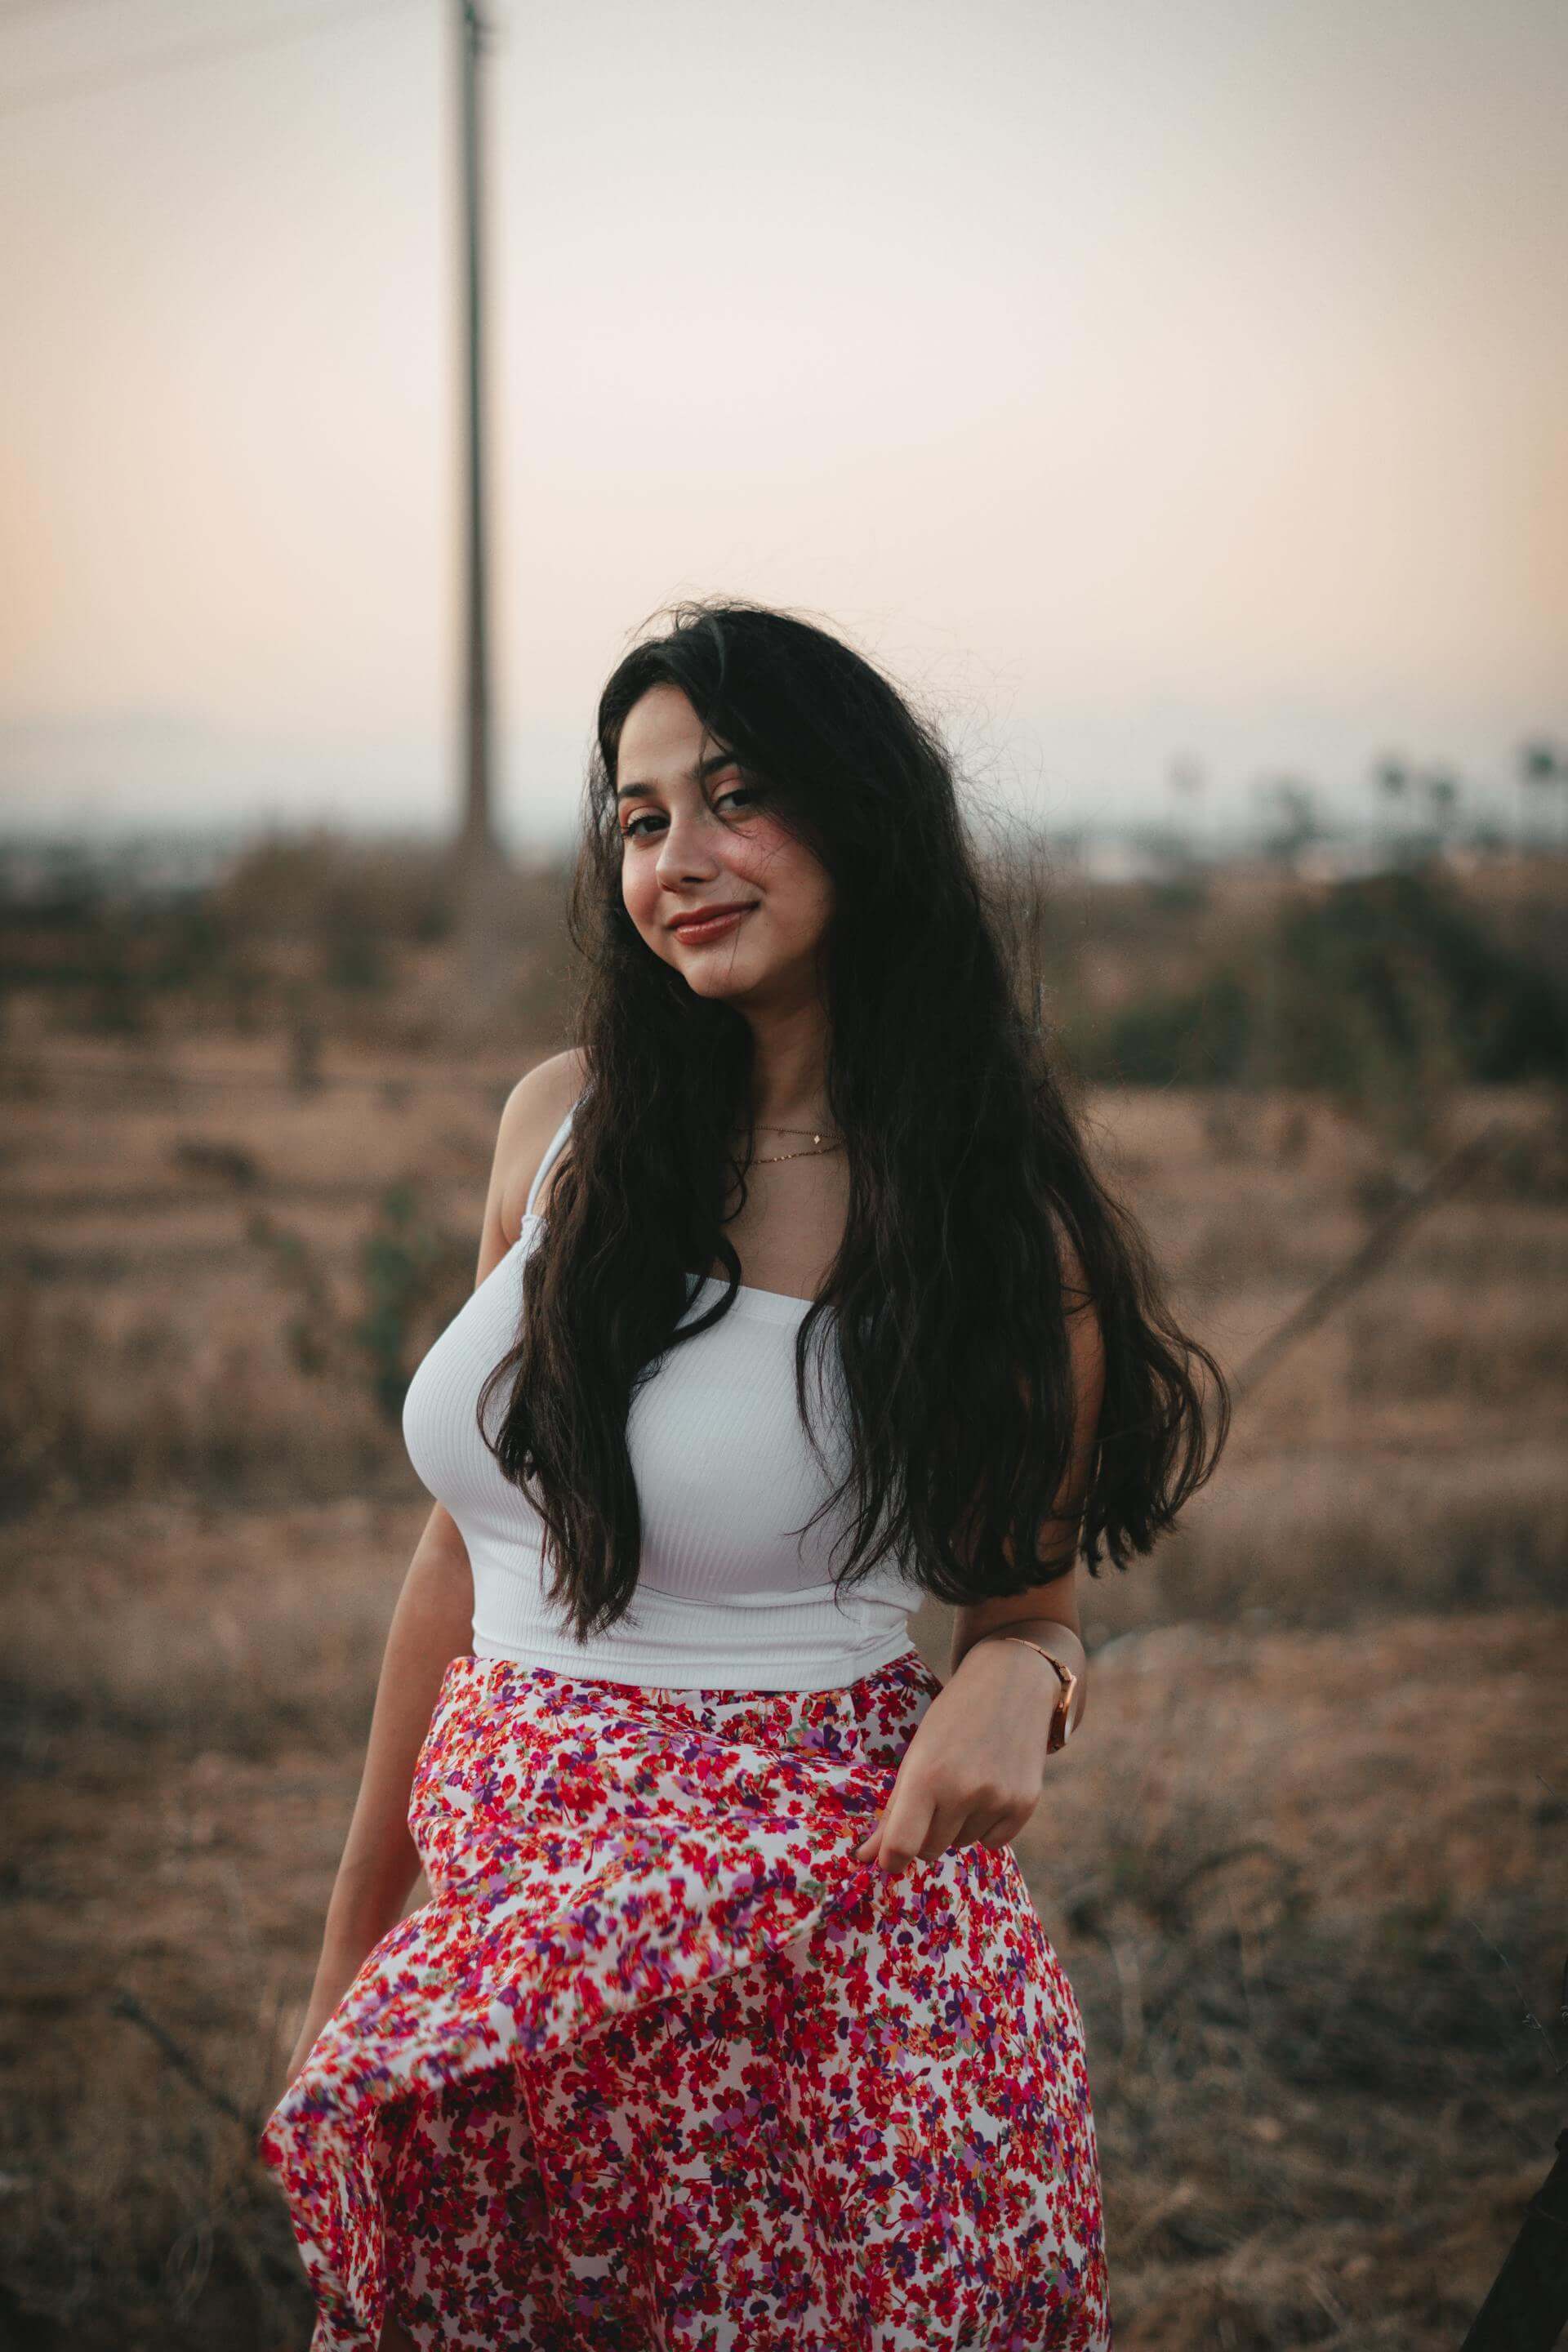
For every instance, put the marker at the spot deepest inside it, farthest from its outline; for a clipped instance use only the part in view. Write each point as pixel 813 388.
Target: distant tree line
pixel 1339 989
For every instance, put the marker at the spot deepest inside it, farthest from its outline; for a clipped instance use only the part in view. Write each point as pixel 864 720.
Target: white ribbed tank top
pixel 727 1598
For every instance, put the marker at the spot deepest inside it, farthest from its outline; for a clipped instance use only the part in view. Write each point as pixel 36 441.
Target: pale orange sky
pixel 1134 378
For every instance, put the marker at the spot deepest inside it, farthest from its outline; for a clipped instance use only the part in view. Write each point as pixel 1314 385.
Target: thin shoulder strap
pixel 551 1148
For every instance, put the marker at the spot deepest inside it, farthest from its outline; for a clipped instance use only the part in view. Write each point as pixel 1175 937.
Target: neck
pixel 789 1079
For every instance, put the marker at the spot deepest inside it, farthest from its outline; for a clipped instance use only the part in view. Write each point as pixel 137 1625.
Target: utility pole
pixel 480 862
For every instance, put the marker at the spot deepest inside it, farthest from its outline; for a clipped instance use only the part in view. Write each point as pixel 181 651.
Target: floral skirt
pixel 660 2067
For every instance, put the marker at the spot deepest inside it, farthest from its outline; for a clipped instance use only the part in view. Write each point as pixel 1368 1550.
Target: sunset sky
pixel 1134 379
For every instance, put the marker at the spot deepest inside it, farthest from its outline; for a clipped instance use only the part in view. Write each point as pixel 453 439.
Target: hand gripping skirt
pixel 660 2067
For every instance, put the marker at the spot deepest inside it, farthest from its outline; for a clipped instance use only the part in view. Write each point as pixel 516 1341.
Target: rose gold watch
pixel 1061 1718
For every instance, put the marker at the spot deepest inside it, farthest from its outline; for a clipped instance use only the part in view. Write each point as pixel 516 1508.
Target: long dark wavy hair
pixel 948 1297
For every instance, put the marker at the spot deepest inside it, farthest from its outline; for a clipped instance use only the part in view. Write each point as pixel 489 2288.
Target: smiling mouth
pixel 710 926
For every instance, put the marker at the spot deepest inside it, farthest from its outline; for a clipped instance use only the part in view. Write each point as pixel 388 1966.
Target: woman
pixel 729 2021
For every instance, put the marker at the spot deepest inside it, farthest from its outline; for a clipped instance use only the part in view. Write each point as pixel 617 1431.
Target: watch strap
pixel 1067 1678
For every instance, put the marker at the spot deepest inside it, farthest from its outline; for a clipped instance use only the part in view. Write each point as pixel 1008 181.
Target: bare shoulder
pixel 534 1110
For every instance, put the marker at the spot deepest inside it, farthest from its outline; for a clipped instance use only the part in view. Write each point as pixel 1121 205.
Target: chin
pixel 719 983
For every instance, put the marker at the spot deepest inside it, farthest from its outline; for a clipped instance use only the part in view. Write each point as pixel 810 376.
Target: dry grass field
pixel 1306 1865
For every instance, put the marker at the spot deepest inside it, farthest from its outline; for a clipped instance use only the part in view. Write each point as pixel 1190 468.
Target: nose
pixel 686 853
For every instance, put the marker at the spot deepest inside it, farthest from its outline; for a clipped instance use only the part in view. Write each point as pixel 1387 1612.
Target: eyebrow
pixel 699 774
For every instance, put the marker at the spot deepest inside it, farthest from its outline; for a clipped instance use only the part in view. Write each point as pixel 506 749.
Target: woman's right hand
pixel 431 1625
pixel 326 1994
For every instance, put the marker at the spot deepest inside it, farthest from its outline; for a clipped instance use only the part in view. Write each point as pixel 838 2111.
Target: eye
pixel 632 831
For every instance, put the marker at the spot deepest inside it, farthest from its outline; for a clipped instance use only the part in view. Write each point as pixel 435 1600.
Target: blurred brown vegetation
pixel 1306 1865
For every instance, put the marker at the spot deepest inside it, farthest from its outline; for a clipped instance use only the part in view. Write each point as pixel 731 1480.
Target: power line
pixel 15 10
pixel 194 54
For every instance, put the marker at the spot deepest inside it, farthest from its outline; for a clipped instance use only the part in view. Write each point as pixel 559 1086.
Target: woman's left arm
pixel 974 1771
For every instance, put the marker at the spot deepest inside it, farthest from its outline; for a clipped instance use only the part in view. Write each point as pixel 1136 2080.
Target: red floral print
pixel 660 2067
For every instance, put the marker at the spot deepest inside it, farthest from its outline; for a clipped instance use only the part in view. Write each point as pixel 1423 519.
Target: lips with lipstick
pixel 711 922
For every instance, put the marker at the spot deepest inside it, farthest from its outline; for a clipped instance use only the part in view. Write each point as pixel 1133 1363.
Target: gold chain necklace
pixel 771 1159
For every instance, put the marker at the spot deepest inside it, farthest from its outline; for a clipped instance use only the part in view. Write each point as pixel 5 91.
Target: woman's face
pixel 691 842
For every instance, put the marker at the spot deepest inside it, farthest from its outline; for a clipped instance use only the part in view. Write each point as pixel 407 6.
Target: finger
pixel 946 1824
pixel 998 1832
pixel 948 1838
pixel 976 1828
pixel 906 1827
